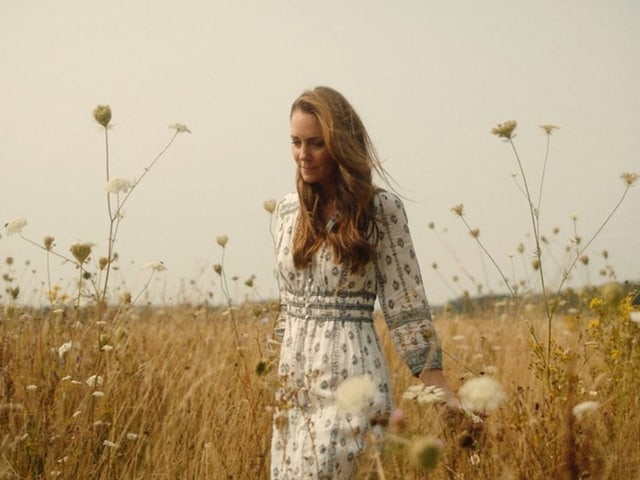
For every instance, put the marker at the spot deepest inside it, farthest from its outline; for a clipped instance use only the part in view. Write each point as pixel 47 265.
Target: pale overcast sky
pixel 429 78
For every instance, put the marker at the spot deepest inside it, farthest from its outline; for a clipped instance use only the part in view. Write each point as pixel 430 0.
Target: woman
pixel 341 244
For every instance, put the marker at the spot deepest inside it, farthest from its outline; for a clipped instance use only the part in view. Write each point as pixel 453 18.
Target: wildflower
pixel 217 268
pixel 222 240
pixel 635 316
pixel 110 444
pixel 132 436
pixel 102 114
pixel 481 394
pixel 106 348
pixel 64 348
pixel 126 298
pixel 31 388
pixel 612 293
pixel 505 130
pixel 156 266
pixel 355 394
pixel 48 242
pixel 95 381
pixel 475 233
pixel 98 394
pixel 261 368
pixel 424 394
pixel 81 251
pixel 118 185
pixel 458 209
pixel 15 226
pixel 548 129
pixel 269 205
pixel 180 128
pixel 396 421
pixel 584 408
pixel 629 178
pixel 424 452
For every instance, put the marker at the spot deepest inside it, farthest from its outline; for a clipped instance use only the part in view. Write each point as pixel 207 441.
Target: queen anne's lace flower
pixel 119 185
pixel 424 394
pixel 156 266
pixel 180 128
pixel 95 381
pixel 15 226
pixel 584 408
pixel 64 348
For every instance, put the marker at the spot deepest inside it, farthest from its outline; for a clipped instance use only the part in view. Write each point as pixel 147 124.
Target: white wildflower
pixel 180 128
pixel 106 348
pixel 584 408
pixel 118 185
pixel 356 394
pixel 15 226
pixel 132 436
pixel 98 394
pixel 64 348
pixel 31 388
pixel 156 266
pixel 481 395
pixel 95 381
pixel 110 444
pixel 424 394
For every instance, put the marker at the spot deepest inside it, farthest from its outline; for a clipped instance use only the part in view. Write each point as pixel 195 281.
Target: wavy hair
pixel 349 145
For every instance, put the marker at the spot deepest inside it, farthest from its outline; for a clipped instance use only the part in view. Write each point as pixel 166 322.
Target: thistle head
pixel 48 242
pixel 102 114
pixel 424 452
pixel 222 240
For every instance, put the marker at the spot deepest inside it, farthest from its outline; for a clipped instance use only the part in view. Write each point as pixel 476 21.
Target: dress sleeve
pixel 283 208
pixel 401 292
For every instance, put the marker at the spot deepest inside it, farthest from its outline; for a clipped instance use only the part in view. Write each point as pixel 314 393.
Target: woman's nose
pixel 303 153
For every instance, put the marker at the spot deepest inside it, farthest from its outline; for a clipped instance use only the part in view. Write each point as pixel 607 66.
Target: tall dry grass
pixel 184 393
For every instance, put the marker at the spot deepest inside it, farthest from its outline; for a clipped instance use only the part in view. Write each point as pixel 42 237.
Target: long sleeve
pixel 283 234
pixel 401 293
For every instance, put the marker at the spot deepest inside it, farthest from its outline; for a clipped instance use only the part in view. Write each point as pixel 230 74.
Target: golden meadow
pixel 101 388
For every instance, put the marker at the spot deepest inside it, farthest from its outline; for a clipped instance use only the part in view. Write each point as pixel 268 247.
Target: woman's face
pixel 309 150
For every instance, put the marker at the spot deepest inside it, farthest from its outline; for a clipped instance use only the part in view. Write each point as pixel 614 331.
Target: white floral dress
pixel 327 333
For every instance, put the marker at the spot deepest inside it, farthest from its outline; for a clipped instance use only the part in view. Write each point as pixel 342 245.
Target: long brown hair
pixel 349 146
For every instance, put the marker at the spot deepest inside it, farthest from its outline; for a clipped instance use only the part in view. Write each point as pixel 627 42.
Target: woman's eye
pixel 316 143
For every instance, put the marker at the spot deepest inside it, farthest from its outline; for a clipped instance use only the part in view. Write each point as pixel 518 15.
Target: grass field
pixel 186 393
